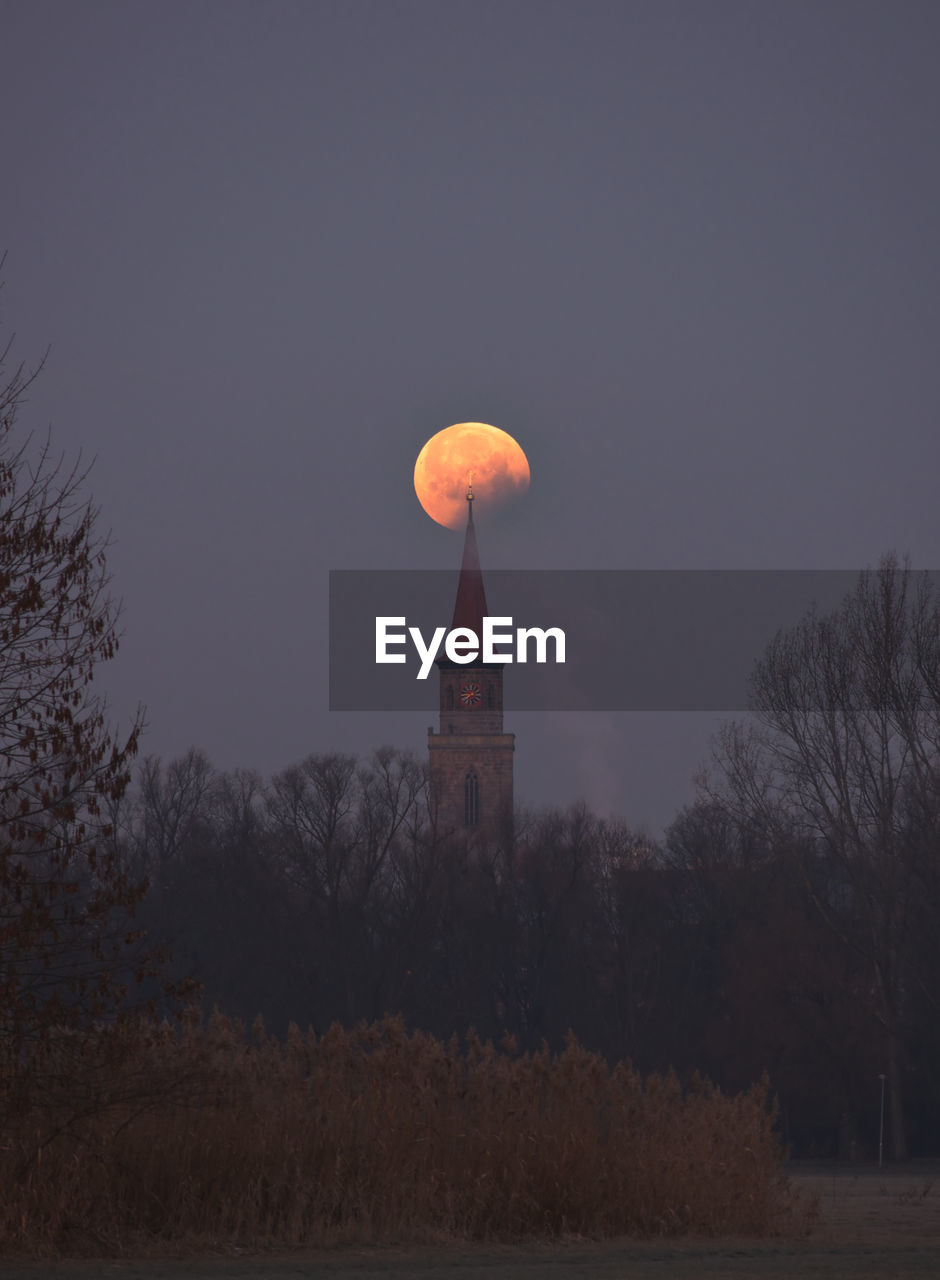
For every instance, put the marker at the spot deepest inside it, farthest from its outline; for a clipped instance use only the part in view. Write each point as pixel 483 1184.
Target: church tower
pixel 470 759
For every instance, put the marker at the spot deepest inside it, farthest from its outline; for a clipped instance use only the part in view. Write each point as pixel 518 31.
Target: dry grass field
pixel 365 1136
pixel 214 1153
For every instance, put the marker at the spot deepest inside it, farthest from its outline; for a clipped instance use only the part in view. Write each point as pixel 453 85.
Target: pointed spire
pixel 470 606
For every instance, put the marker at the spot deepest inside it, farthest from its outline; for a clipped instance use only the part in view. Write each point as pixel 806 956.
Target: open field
pixel 873 1225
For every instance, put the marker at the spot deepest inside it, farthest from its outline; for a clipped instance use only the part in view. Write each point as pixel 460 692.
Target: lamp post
pixel 881 1126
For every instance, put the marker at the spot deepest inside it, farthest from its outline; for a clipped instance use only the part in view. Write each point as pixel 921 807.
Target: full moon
pixel 499 467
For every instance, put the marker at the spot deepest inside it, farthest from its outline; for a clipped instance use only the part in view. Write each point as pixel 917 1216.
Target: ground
pixel 873 1225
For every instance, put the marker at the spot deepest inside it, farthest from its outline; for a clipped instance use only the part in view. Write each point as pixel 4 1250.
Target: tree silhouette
pixel 842 769
pixel 65 901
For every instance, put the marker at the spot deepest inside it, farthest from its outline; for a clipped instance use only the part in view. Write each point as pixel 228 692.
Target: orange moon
pixel 499 466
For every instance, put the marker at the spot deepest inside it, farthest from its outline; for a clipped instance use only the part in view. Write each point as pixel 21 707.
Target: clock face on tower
pixel 470 694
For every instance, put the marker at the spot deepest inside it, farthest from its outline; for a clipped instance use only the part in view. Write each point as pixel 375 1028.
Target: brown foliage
pixel 209 1136
pixel 67 947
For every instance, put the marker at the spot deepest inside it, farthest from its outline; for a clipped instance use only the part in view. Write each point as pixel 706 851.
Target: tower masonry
pixel 470 758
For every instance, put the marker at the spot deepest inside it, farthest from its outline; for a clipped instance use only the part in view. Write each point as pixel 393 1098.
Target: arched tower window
pixel 471 800
pixel 490 696
pixel 449 698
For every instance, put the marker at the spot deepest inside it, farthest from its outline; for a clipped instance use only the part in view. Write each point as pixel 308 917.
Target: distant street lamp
pixel 881 1126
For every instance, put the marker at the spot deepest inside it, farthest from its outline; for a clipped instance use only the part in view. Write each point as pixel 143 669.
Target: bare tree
pixel 842 767
pixel 335 826
pixel 64 896
pixel 168 806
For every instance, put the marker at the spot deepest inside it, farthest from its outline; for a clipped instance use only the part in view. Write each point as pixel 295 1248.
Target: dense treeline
pixel 323 895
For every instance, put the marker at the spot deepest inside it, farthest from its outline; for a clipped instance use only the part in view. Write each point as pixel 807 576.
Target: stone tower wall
pixel 490 756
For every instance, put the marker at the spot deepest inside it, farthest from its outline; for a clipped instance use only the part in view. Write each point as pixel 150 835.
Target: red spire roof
pixel 470 606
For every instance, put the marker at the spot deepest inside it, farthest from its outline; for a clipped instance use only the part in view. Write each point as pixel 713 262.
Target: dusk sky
pixel 687 254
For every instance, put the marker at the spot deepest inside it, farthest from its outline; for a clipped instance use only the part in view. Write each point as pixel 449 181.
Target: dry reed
pixel 211 1135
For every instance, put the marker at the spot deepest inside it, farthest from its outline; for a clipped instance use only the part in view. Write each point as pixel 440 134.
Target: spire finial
pixel 470 497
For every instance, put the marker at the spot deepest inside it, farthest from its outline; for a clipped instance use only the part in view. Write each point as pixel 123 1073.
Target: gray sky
pixel 686 253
